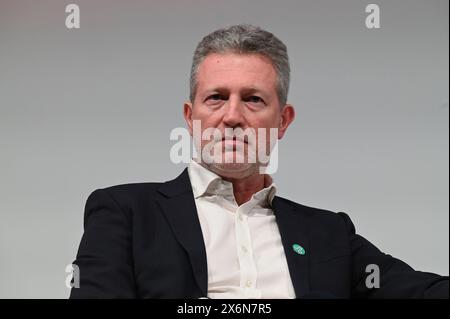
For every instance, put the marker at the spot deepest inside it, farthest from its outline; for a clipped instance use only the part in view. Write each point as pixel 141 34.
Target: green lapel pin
pixel 299 249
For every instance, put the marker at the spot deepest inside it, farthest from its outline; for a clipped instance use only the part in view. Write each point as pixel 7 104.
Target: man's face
pixel 237 91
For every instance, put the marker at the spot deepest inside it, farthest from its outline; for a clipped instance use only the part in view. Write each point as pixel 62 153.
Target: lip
pixel 233 143
pixel 235 139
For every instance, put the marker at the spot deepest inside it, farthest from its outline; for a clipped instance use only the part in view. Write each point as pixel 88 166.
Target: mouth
pixel 235 139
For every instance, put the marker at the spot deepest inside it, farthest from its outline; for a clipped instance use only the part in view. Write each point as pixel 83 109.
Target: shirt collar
pixel 206 182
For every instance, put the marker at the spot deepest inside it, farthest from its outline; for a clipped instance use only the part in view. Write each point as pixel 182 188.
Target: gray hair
pixel 245 39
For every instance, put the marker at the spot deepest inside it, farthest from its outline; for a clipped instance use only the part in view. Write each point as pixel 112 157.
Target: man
pixel 218 230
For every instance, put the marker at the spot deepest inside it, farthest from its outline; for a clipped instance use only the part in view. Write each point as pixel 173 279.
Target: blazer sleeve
pixel 104 256
pixel 397 279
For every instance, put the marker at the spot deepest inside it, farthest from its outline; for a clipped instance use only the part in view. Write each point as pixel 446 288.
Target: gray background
pixel 89 108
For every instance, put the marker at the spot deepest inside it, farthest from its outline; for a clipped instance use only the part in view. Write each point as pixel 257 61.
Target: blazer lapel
pixel 179 207
pixel 181 212
pixel 294 231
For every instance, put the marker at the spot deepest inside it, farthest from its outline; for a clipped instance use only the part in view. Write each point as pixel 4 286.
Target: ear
pixel 187 113
pixel 287 117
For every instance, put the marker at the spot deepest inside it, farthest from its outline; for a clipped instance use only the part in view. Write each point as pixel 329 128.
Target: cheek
pixel 263 136
pixel 266 125
pixel 196 113
pixel 206 117
pixel 267 118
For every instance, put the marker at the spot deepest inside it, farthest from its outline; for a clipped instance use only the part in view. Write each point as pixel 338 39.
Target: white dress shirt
pixel 244 251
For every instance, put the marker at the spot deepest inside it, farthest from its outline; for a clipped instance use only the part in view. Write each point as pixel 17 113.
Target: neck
pixel 244 188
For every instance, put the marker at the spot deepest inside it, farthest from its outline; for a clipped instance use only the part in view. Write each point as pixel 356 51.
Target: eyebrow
pixel 245 90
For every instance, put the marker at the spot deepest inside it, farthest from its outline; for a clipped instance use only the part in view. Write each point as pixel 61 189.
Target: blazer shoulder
pixel 126 196
pixel 133 189
pixel 320 215
pixel 324 226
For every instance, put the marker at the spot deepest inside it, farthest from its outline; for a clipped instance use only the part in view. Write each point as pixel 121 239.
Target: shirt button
pixel 248 283
pixel 241 218
pixel 244 249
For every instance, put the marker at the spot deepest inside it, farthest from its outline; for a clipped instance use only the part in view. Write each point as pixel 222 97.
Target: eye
pixel 254 99
pixel 214 99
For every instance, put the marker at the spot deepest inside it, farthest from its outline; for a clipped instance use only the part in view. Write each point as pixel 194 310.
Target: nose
pixel 233 116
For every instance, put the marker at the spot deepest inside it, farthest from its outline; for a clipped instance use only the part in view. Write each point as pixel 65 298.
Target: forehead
pixel 235 70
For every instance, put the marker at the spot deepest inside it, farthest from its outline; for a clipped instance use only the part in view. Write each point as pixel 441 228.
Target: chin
pixel 233 170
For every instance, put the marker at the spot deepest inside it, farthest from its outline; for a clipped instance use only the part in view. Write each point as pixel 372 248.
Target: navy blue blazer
pixel 144 240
